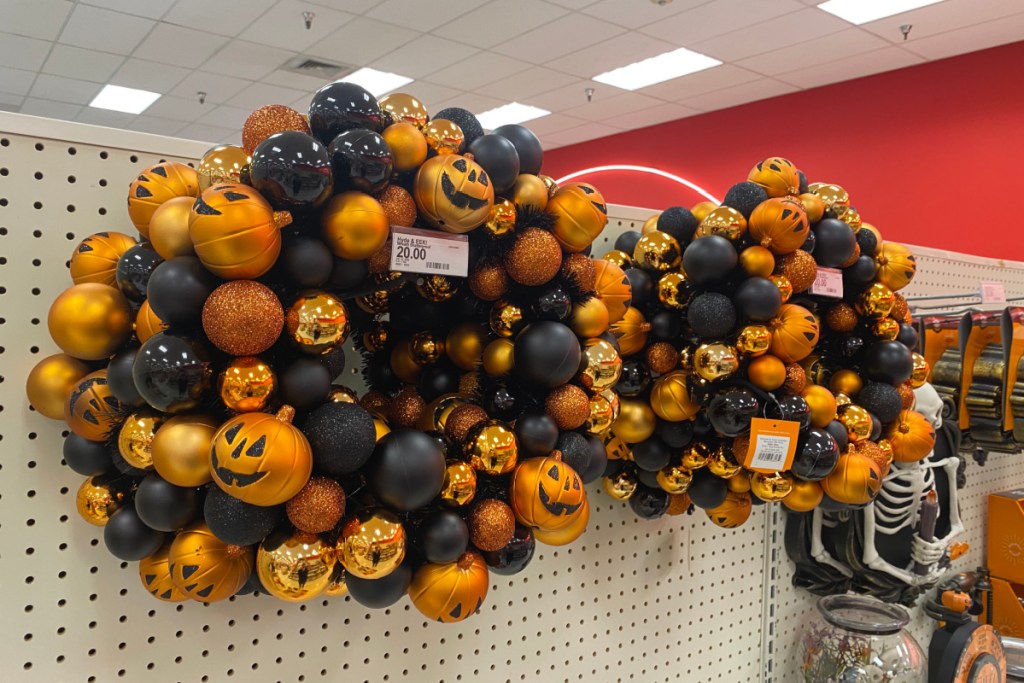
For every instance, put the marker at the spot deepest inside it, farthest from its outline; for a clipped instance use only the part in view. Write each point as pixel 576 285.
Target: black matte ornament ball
pixel 641 286
pixel 306 262
pixel 598 460
pixel 554 304
pixel 888 361
pixel 675 434
pixel 790 407
pixel 85 457
pixel 516 554
pixel 342 437
pixel 360 160
pixel 536 434
pixel 444 536
pixel 437 379
pixel 171 372
pixel 646 478
pixel 292 171
pixel 876 428
pixel 120 380
pixel 407 469
pixel 731 411
pixel 467 121
pixel 528 146
pixel 346 274
pixel 709 260
pixel 706 490
pixel 678 222
pixel 758 299
pixel 712 315
pixel 383 592
pixel 498 157
pixel 236 522
pixel 128 538
pixel 744 197
pixel 665 325
pixel 178 288
pixel 627 241
pixel 547 354
pixel 649 503
pixel 816 455
pixel 908 336
pixel 134 269
pixel 835 242
pixel 304 383
pixel 163 506
pixel 339 106
pixel 652 454
pixel 838 432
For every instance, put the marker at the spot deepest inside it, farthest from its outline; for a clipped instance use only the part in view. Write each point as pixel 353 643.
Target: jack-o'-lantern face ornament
pixel 453 193
pixel 546 493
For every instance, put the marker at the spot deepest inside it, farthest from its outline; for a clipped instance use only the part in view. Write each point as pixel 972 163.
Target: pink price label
pixel 828 282
pixel 993 293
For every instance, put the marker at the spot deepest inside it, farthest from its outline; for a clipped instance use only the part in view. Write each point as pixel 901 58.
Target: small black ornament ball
pixel 731 411
pixel 706 490
pixel 701 423
pixel 360 160
pixel 380 375
pixel 407 469
pixel 444 536
pixel 647 478
pixel 342 437
pixel 649 503
pixel 809 244
pixel 502 402
pixel 292 171
pixel 868 242
pixel 709 260
pixel 120 380
pixel 575 450
pixel 850 346
pixel 908 336
pixel 712 315
pixel 838 432
pixel 641 286
pixel 122 465
pixel 237 522
pixel 675 434
pixel 888 361
pixel 598 460
pixel 744 197
pixel 835 242
pixel 437 379
pixel 134 269
pixel 178 288
pixel 665 325
pixel 306 262
pixel 861 272
pixel 613 467
pixel 537 435
pixel 334 361
pixel 171 372
pixel 470 125
pixel 554 304
pixel 627 241
pixel 790 407
pixel 498 157
pixel 635 378
pixel 881 400
pixel 338 107
pixel 676 221
pixel 876 428
pixel 547 354
pixel 528 147
pixel 128 538
pixel 382 592
pixel 163 506
pixel 652 454
pixel 346 274
pixel 516 554
pixel 758 299
pixel 816 455
pixel 85 457
pixel 304 383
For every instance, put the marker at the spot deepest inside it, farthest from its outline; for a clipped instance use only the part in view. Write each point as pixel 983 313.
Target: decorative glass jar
pixel 859 639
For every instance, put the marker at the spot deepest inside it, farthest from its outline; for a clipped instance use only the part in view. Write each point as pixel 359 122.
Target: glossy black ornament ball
pixel 908 336
pixel 292 171
pixel 342 437
pixel 498 157
pixel 835 242
pixel 649 503
pixel 407 469
pixel 758 299
pixel 306 262
pixel 516 554
pixel 627 241
pixel 304 383
pixel 528 147
pixel 641 286
pixel 547 354
pixel 383 592
pixel 172 372
pixel 128 538
pixel 85 457
pixel 635 378
pixel 809 244
pixel 598 460
pixel 361 160
pixel 676 221
pixel 502 402
pixel 888 361
pixel 712 315
pixel 237 522
pixel 554 304
pixel 816 455
pixel 709 260
pixel 744 197
pixel 790 407
pixel 178 288
pixel 134 269
pixel 838 432
pixel 536 434
pixel 338 106
pixel 444 536
pixel 163 506
pixel 706 490
pixel 120 380
pixel 468 122
pixel 731 411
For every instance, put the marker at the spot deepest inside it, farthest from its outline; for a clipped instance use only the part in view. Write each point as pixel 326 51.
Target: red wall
pixel 931 155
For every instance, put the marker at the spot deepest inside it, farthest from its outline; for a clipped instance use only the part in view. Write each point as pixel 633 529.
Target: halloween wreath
pixel 201 374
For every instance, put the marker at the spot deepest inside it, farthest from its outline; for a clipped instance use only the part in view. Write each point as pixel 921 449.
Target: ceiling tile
pixel 423 56
pixel 878 61
pixel 218 88
pixel 434 96
pixel 153 76
pixel 226 117
pixel 15 81
pixel 154 9
pixel 168 40
pixel 179 109
pixel 10 102
pixel 284 26
pixel 87 65
pixel 553 123
pixel 353 6
pixel 361 41
pixel 211 134
pixel 941 17
pixel 260 94
pixel 970 38
pixel 420 15
pixel 226 17
pixel 558 38
pixel 524 84
pixel 739 94
pixel 715 18
pixel 789 29
pixel 297 81
pixel 151 124
pixel 715 78
pixel 102 29
pixel 572 95
pixel 478 70
pixel 476 103
pixel 19 52
pixel 822 50
pixel 572 4
pixel 51 109
pixel 635 14
pixel 603 108
pixel 247 60
pixel 498 21
pixel 623 49
pixel 104 117
pixel 62 89
pixel 661 113
pixel 34 18
pixel 587 131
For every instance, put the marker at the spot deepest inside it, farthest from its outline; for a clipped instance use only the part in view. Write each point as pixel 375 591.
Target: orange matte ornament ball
pixel 767 372
pixel 580 215
pixel 778 177
pixel 546 493
pixel 794 333
pixel 154 186
pixel 805 496
pixel 757 261
pixel 453 193
pixel 354 225
pixel 91 410
pixel 95 258
pixel 450 592
pixel 147 323
pixel 780 225
pixel 670 398
pixel 856 480
pixel 912 437
pixel 613 289
pixel 51 381
pixel 407 144
pixel 90 321
pixel 631 332
pixel 236 232
pixel 822 404
pixel 168 228
pixel 205 568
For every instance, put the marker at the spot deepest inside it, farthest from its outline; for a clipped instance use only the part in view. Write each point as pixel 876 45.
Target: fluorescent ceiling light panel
pixel 127 100
pixel 513 112
pixel 663 67
pixel 862 11
pixel 377 82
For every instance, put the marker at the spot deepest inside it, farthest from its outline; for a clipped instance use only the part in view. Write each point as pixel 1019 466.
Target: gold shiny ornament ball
pixel 426 347
pixel 491 448
pixel 771 487
pixel 375 303
pixel 579 270
pixel 246 385
pixel 270 120
pixel 604 410
pixel 90 321
pixel 147 323
pixel 220 164
pixel 702 209
pixel 401 107
pixel 100 497
pixel 885 446
pixel 135 440
pixel 661 357
pixel 852 218
pixel 696 456
pixel 885 328
pixel 498 357
pixel 459 485
pixel 550 184
pixel 243 318
pixel 529 190
pixel 715 361
pixel 181 449
pixel 739 482
pixel 461 420
pixel 857 421
pixel 375 338
pixel 589 319
pixel 670 398
pixel 338 587
pixel 51 381
pixel 295 568
pixel 754 340
pixel 316 323
pixel 722 463
pixel 796 378
pixel 920 372
pixel 842 400
pixel 434 417
pixel 404 367
pixel 602 365
pixel 501 221
pixel 833 197
pixel 674 479
pixel 534 258
pixel 492 524
pixel 465 345
pixel 437 288
pixel 650 225
pixel 95 258
pixel 506 319
pixel 757 261
pixel 568 405
pixel 657 251
pixel 354 225
pixel 671 290
pixel 168 229
pixel 488 281
pixel 636 421
pixel 318 506
pixel 406 408
pixel 408 146
pixel 784 285
pixel 621 485
pixel 800 269
pixel 822 403
pixel 841 317
pixel 813 206
pixel 372 543
pixel 876 301
pixel 724 221
pixel 619 258
pixel 444 136
pixel 342 394
pixel 805 496
pixel 398 205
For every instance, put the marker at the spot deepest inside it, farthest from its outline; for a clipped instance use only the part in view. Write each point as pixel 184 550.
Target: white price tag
pixel 993 293
pixel 828 282
pixel 429 252
pixel 770 451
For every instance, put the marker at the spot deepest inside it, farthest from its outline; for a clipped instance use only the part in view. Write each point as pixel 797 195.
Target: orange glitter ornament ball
pixel 534 258
pixel 318 506
pixel 399 206
pixel 799 268
pixel 269 120
pixel 243 318
pixel 841 318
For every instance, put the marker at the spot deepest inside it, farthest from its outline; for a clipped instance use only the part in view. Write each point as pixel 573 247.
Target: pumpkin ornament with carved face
pixel 546 493
pixel 156 185
pixel 580 215
pixel 452 591
pixel 453 193
pixel 205 568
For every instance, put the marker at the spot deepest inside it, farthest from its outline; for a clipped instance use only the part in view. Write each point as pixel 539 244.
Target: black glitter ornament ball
pixel 342 436
pixel 744 197
pixel 575 450
pixel 675 434
pixel 677 222
pixel 881 400
pixel 712 315
pixel 470 125
pixel 236 522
